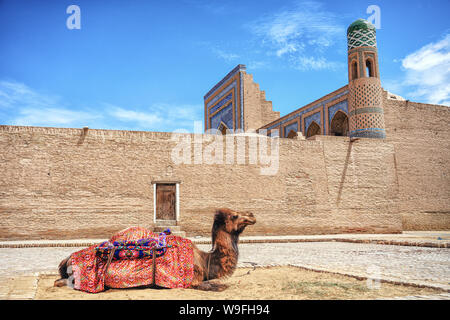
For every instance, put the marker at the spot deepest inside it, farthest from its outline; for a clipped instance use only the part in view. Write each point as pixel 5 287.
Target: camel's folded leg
pixel 210 286
pixel 65 272
pixel 60 283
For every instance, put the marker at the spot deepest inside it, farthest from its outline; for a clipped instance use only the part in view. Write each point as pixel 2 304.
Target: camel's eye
pixel 234 217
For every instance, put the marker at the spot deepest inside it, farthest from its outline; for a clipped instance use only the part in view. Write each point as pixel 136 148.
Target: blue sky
pixel 146 65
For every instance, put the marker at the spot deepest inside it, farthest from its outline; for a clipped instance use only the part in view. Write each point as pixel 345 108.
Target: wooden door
pixel 166 202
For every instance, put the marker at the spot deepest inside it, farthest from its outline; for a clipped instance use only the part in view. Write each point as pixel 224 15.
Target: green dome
pixel 361 33
pixel 360 24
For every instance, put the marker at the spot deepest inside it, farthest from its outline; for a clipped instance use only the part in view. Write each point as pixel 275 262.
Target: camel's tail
pixel 62 268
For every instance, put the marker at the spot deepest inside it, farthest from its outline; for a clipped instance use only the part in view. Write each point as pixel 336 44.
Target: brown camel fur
pixel 220 262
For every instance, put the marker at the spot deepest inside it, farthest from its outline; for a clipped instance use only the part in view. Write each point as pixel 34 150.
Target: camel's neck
pixel 223 259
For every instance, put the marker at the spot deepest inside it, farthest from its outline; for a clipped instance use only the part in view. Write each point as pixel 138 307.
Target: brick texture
pixel 420 134
pixel 57 184
pixel 257 110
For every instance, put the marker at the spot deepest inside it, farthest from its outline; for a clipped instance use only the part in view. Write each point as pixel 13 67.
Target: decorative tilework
pixel 343 106
pixel 222 91
pixel 221 94
pixel 221 103
pixel 315 117
pixel 369 133
pixel 366 110
pixel 289 127
pixel 225 115
pixel 238 68
pixel 304 111
pixel 361 33
pixel 361 38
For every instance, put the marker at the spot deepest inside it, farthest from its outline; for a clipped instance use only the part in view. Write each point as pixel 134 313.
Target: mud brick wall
pixel 60 184
pixel 420 134
pixel 257 110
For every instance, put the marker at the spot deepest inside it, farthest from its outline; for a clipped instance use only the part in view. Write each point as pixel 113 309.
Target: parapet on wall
pixel 60 183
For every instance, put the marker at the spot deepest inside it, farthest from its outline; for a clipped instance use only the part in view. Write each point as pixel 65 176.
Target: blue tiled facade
pixel 289 127
pixel 343 105
pixel 314 117
pixel 225 115
pixel 221 103
pixel 224 97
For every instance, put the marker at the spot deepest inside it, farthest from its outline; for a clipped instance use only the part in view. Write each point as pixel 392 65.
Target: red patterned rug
pixel 175 269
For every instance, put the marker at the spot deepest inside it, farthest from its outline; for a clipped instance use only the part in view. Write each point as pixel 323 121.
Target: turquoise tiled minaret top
pixel 361 33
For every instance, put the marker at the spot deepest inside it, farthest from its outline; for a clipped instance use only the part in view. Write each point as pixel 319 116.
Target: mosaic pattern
pixel 368 133
pixel 221 103
pixel 315 117
pixel 238 68
pixel 361 33
pixel 366 111
pixel 361 38
pixel 301 113
pixel 366 95
pixel 367 120
pixel 225 115
pixel 289 127
pixel 222 93
pixel 342 106
pixel 226 92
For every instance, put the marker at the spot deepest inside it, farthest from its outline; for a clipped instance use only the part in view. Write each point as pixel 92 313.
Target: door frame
pixel 177 198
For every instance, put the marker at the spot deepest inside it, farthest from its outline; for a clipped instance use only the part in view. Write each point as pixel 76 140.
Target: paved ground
pixel 419 238
pixel 428 266
pixel 418 265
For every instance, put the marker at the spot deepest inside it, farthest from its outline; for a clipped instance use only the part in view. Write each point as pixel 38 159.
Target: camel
pixel 218 263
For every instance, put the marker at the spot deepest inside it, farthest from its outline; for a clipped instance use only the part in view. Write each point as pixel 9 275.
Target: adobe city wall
pixel 60 184
pixel 420 134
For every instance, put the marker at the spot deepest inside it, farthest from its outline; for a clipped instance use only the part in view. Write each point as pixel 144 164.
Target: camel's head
pixel 232 221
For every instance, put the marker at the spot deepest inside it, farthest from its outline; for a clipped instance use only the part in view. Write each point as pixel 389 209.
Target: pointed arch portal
pixel 339 124
pixel 313 129
pixel 292 134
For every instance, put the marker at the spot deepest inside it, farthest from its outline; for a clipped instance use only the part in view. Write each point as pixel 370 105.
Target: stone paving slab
pixel 18 287
pixel 437 239
pixel 420 266
pixel 443 296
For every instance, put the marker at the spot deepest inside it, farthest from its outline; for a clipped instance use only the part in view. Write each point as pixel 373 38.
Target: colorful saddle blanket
pixel 174 268
pixel 142 248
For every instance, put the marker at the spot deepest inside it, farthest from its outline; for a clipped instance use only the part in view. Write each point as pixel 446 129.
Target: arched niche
pixel 313 129
pixel 339 124
pixel 292 134
pixel 354 69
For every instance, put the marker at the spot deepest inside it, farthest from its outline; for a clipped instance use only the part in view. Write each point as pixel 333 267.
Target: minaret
pixel 365 103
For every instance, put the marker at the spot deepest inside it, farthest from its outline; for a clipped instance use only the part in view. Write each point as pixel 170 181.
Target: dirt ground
pixel 274 283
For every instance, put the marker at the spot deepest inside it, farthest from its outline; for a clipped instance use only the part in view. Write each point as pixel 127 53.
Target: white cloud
pixel 25 106
pixel 305 63
pixel 254 64
pixel 13 93
pixel 427 73
pixel 53 117
pixel 22 105
pixel 293 31
pixel 142 119
pixel 229 57
pixel 161 117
